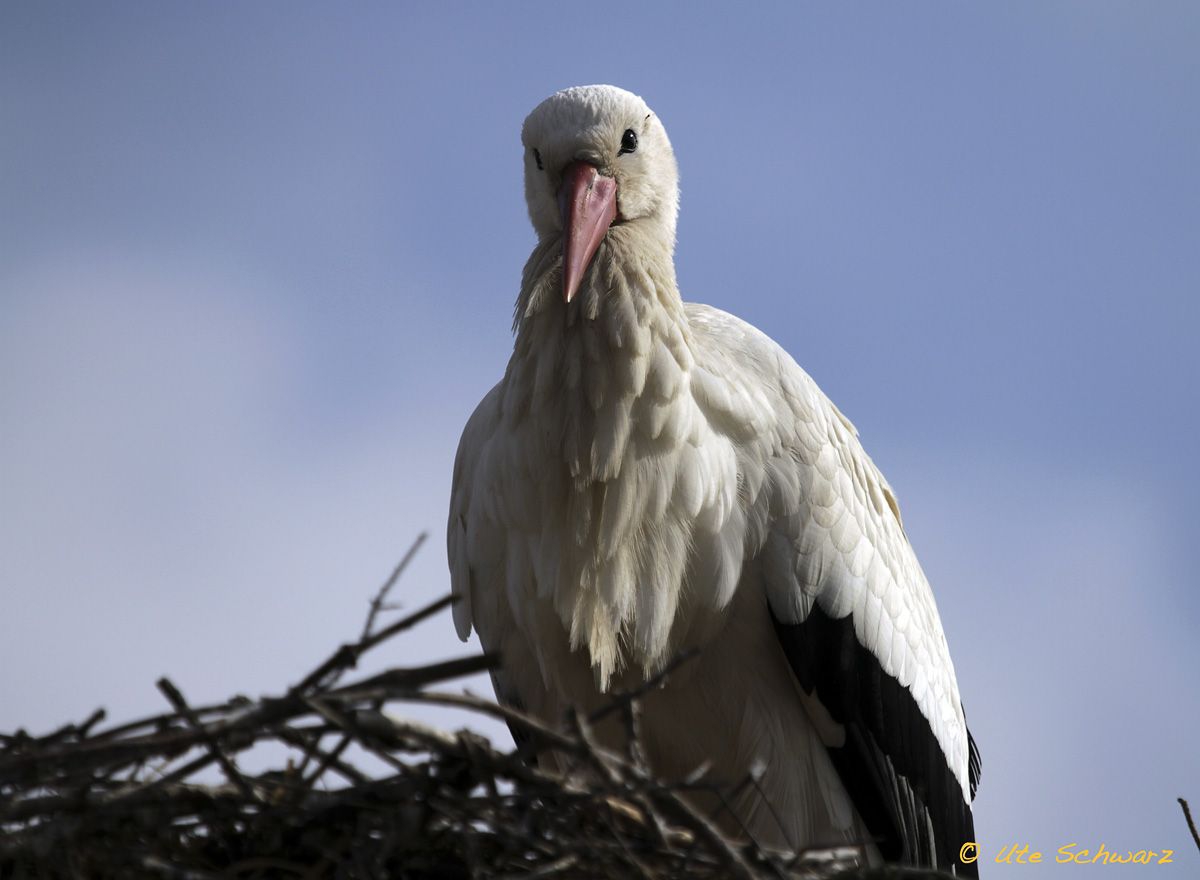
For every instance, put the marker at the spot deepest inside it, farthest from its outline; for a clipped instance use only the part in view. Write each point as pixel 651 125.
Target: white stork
pixel 652 475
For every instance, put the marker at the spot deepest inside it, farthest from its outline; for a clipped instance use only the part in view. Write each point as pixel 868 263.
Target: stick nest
pixel 359 792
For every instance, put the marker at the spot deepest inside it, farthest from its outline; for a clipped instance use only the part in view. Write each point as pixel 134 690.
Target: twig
pixel 347 655
pixel 732 860
pixel 377 603
pixel 347 723
pixel 1187 814
pixel 558 866
pixel 232 773
pixel 620 701
pixel 327 760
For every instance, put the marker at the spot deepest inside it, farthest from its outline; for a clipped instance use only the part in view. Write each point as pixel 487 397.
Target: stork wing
pixel 475 536
pixel 854 614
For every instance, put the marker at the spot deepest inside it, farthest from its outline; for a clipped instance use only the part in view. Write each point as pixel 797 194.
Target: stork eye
pixel 537 157
pixel 628 142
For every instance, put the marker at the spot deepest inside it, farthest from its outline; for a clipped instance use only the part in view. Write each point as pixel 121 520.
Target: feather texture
pixel 651 475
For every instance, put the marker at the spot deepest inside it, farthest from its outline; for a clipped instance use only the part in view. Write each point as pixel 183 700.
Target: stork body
pixel 651 476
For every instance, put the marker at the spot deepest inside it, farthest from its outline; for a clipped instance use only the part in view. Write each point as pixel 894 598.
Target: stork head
pixel 597 156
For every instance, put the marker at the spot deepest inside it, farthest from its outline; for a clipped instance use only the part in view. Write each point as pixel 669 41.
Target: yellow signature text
pixel 1071 853
pixel 1068 853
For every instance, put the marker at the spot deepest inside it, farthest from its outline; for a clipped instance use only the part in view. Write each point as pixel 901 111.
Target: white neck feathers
pixel 597 398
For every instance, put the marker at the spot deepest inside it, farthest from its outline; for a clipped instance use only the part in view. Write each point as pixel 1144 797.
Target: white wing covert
pixel 852 609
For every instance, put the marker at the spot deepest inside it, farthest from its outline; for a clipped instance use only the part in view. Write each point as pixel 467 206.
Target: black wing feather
pixel 891 763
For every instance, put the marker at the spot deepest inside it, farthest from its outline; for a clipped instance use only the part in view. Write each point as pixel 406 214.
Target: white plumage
pixel 651 475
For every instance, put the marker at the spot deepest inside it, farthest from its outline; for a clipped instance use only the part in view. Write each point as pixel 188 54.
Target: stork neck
pixel 628 261
pixel 583 367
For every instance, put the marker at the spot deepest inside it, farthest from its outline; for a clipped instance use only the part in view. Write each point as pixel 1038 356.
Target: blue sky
pixel 257 265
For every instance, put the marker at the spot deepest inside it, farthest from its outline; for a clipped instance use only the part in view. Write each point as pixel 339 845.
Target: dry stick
pixel 557 867
pixel 407 623
pixel 41 808
pixel 614 780
pixel 250 722
pixel 724 797
pixel 622 701
pixel 21 739
pixel 347 655
pixel 1187 814
pixel 67 731
pixel 637 757
pixel 328 760
pixel 618 703
pixel 527 722
pixel 626 855
pixel 96 751
pixel 377 603
pixel 176 775
pixel 515 768
pixel 509 765
pixel 331 758
pixel 729 856
pixel 387 682
pixel 273 711
pixel 695 822
pixel 396 682
pixel 232 773
pixel 347 723
pixel 157 721
pixel 377 606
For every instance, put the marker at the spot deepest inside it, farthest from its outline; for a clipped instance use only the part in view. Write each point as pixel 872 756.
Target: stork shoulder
pixel 831 533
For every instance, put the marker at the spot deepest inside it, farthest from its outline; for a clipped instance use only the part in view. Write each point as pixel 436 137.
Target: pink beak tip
pixel 588 201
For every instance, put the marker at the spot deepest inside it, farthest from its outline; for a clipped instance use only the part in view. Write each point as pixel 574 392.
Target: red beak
pixel 589 205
